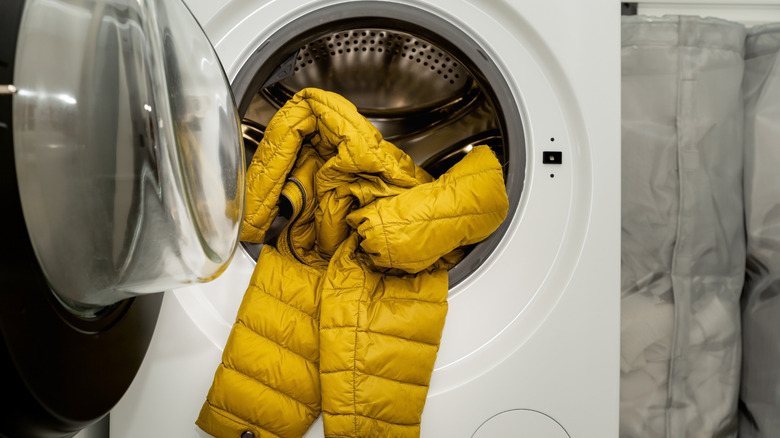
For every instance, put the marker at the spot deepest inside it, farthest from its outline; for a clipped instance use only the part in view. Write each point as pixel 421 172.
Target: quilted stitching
pixel 325 326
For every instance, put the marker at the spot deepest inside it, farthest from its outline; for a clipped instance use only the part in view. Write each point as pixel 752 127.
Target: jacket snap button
pixel 248 434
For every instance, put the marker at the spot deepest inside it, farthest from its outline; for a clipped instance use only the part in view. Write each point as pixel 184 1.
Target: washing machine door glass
pixel 127 147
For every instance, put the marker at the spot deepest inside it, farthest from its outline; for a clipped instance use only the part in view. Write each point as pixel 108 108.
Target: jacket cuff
pixel 222 424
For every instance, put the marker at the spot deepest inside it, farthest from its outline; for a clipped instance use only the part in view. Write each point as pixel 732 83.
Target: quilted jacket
pixel 344 313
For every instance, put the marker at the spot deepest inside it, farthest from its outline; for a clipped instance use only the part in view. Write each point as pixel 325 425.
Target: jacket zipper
pixel 289 227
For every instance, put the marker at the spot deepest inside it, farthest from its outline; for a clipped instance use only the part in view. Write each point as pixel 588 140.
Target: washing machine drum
pixel 122 176
pixel 411 74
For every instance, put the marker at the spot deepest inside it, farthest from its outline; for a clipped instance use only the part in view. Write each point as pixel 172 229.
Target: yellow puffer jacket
pixel 344 313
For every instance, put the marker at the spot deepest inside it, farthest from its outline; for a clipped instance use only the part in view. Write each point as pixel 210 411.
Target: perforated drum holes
pixel 365 42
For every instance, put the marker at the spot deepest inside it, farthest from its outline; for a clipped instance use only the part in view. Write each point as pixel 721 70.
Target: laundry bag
pixel 683 242
pixel 760 391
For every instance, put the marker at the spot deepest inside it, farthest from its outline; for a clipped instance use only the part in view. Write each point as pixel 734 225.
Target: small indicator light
pixel 552 157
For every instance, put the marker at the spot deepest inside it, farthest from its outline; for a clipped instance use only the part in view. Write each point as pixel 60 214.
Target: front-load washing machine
pixel 530 344
pixel 125 179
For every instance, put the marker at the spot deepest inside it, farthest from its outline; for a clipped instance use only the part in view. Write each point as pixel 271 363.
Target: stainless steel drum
pixel 410 89
pixel 430 101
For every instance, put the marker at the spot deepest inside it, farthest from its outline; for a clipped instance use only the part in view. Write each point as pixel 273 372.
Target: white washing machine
pixel 531 340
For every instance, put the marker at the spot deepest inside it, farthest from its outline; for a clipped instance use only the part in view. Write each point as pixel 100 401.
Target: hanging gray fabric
pixel 683 242
pixel 760 392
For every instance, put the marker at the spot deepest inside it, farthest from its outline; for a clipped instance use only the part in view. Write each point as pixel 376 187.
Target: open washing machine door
pixel 122 176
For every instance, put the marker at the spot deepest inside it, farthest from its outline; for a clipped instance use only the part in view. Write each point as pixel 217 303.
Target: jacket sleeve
pixel 268 382
pixel 414 229
pixel 273 160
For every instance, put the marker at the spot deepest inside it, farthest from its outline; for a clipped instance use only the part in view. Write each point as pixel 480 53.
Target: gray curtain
pixel 760 392
pixel 683 233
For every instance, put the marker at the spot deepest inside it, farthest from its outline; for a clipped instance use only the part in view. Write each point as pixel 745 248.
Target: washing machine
pixel 531 341
pixel 530 344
